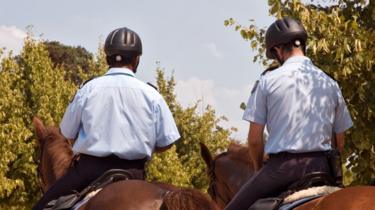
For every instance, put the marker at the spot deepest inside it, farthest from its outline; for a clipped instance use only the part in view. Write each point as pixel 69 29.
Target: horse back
pixel 129 195
pixel 358 197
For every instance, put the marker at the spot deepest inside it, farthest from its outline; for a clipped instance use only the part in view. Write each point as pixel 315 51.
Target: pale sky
pixel 211 62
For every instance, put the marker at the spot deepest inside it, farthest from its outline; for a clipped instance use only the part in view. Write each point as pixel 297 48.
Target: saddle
pixel 68 201
pixel 310 180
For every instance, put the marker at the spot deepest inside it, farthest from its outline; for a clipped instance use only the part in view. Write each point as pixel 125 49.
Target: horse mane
pixel 59 151
pixel 187 199
pixel 239 152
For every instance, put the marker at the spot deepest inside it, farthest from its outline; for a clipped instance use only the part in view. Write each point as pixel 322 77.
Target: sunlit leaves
pixel 29 85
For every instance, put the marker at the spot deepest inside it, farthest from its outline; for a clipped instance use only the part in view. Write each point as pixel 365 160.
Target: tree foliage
pixel 194 127
pixel 29 87
pixel 36 84
pixel 341 42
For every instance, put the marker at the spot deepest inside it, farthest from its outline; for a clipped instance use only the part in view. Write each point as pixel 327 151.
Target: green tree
pixel 72 59
pixel 341 42
pixel 194 127
pixel 31 84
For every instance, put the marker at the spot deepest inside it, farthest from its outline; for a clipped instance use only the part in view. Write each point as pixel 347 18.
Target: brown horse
pixel 55 158
pixel 230 170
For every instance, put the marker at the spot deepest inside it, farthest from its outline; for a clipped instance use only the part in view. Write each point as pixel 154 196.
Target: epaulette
pixel 85 82
pixel 270 68
pixel 255 86
pixel 156 88
pixel 329 75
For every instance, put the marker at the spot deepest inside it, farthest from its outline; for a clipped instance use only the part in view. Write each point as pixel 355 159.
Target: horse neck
pixel 232 170
pixel 57 157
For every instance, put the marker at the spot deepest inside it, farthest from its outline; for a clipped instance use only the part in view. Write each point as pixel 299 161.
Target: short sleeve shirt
pixel 118 114
pixel 301 107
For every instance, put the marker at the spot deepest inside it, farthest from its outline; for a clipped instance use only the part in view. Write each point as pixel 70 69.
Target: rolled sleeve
pixel 343 121
pixel 71 121
pixel 256 110
pixel 166 129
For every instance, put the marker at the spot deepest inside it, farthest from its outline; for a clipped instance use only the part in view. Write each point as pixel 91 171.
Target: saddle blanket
pixel 312 191
pixel 304 196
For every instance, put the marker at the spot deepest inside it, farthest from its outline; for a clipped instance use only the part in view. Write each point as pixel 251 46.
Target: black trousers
pixel 280 171
pixel 84 171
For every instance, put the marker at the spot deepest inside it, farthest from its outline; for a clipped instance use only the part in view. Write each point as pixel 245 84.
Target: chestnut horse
pixel 55 158
pixel 228 171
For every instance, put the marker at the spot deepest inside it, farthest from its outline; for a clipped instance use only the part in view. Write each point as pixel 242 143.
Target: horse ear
pixel 206 155
pixel 40 129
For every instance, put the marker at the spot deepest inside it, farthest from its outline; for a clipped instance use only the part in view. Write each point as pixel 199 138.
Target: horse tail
pixel 187 199
pixel 206 155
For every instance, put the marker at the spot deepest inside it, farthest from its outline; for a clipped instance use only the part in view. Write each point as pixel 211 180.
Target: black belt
pixel 137 163
pixel 301 154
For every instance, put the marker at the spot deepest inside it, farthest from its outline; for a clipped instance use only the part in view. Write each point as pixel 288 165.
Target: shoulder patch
pixel 255 87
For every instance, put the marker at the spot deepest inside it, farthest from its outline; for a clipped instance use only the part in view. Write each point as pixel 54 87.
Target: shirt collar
pixel 116 70
pixel 297 59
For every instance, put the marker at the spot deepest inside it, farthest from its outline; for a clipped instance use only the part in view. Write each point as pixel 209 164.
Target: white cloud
pixel 212 47
pixel 11 38
pixel 225 101
pixel 194 89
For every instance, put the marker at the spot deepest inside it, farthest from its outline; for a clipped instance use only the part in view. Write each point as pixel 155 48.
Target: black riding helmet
pixel 124 42
pixel 283 31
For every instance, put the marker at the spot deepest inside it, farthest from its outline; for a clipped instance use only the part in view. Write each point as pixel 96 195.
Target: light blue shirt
pixel 118 114
pixel 301 107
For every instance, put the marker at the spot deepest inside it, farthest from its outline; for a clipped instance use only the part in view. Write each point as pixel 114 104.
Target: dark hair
pixel 112 60
pixel 288 47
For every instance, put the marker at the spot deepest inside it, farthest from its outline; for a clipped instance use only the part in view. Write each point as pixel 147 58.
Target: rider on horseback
pixel 116 121
pixel 303 109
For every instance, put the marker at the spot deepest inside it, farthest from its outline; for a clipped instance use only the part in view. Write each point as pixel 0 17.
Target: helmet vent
pixel 124 42
pixel 113 35
pixel 284 31
pixel 286 23
pixel 277 26
pixel 130 39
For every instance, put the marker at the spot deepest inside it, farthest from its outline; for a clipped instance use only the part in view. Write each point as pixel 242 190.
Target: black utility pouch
pixel 266 204
pixel 334 161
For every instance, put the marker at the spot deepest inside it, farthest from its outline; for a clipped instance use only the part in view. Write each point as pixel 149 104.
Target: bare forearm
pixel 256 145
pixel 256 155
pixel 340 141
